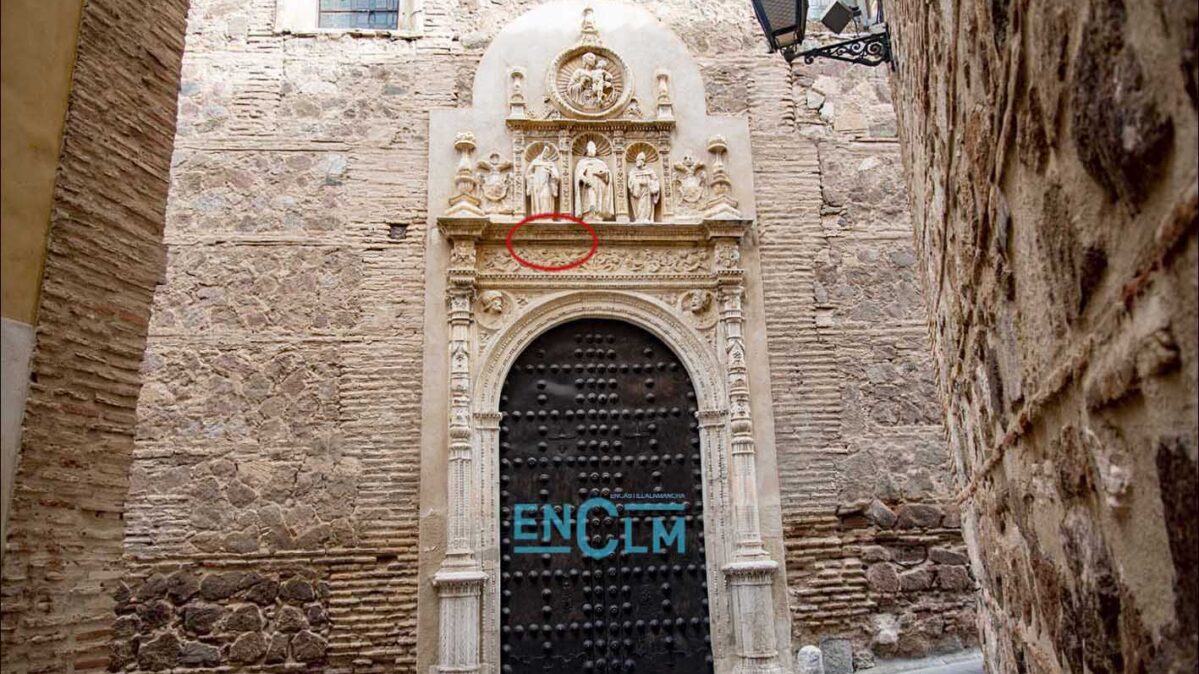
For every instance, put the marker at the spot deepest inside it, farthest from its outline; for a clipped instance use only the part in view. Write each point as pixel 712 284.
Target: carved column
pixel 460 579
pixel 667 180
pixel 520 204
pixel 620 191
pixel 566 203
pixel 751 573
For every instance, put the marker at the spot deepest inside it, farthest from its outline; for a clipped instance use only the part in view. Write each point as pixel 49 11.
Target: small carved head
pixel 492 301
pixel 697 301
pixel 640 160
pixel 591 148
pixel 589 59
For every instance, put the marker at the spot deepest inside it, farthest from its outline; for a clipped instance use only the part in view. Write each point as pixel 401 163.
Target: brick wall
pixel 104 257
pixel 1051 150
pixel 279 414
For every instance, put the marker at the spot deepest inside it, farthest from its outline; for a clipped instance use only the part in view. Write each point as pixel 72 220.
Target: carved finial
pixel 516 93
pixel 721 204
pixel 665 105
pixel 465 201
pixel 588 33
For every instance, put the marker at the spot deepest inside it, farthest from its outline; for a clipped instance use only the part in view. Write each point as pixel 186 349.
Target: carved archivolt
pixel 660 319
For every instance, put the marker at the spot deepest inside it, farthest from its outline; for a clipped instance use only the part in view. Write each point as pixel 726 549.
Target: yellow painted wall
pixel 38 52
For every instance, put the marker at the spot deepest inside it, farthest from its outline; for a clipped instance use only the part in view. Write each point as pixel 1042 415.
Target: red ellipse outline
pixel 552 268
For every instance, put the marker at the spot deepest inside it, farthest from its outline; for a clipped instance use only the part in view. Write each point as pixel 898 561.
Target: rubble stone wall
pixel 1051 150
pixel 279 419
pixel 104 257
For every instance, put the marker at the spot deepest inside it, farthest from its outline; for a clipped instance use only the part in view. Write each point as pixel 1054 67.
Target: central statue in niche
pixel 593 187
pixel 644 189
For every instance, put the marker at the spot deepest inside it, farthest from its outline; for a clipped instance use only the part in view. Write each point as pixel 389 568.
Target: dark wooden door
pixel 601 411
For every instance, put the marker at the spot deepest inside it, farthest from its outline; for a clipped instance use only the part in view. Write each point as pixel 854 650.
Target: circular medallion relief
pixel 589 81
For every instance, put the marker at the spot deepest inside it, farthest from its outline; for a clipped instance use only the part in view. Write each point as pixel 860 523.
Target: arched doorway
pixel 601 507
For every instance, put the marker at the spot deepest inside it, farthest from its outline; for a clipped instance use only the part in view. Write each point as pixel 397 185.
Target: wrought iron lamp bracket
pixel 871 50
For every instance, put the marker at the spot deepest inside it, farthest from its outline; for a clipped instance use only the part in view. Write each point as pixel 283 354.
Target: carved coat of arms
pixel 691 180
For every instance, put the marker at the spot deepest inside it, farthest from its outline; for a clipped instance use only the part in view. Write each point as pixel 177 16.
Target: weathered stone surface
pixel 918 516
pixel 276 651
pixel 943 556
pixel 290 619
pixel 154 587
pixel 308 647
pixel 883 577
pixel 916 579
pixel 201 618
pixel 263 592
pixel 248 648
pixel 155 614
pixel 296 590
pixel 244 618
pixel 103 259
pixel 182 585
pixel 881 515
pixel 219 586
pixel 838 656
pixel 953 577
pixel 1056 216
pixel 159 653
pixel 197 654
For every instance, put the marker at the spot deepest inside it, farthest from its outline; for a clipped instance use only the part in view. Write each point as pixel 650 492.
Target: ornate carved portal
pixel 670 265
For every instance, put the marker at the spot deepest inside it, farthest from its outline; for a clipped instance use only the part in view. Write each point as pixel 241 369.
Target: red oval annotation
pixel 552 217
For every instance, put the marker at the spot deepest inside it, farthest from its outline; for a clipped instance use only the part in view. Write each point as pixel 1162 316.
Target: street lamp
pixel 784 22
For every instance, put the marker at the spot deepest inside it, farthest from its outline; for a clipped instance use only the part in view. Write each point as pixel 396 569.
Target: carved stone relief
pixel 495 178
pixel 645 260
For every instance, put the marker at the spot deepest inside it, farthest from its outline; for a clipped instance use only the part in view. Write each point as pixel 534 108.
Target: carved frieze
pixel 640 260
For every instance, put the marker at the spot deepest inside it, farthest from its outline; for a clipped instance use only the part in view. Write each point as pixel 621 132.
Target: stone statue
pixel 542 181
pixel 590 84
pixel 644 188
pixel 593 187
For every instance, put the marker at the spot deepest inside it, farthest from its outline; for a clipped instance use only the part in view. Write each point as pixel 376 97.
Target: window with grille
pixel 368 14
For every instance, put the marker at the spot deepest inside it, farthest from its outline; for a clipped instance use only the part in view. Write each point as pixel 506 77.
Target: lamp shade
pixel 782 20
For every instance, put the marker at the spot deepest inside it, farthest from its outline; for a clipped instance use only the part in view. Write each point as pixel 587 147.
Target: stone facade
pixel 281 415
pixel 104 257
pixel 1051 150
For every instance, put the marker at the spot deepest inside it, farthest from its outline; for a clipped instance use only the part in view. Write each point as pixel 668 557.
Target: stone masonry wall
pixel 1051 150
pixel 279 420
pixel 104 257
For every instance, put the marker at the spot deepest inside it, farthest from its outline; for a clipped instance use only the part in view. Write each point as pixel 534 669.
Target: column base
pixel 751 584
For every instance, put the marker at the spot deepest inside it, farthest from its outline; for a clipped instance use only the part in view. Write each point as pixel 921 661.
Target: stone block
pixel 954 578
pixel 247 649
pixel 159 653
pixel 919 516
pixel 197 654
pixel 297 591
pixel 915 580
pixel 943 556
pixel 883 577
pixel 838 656
pixel 308 647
